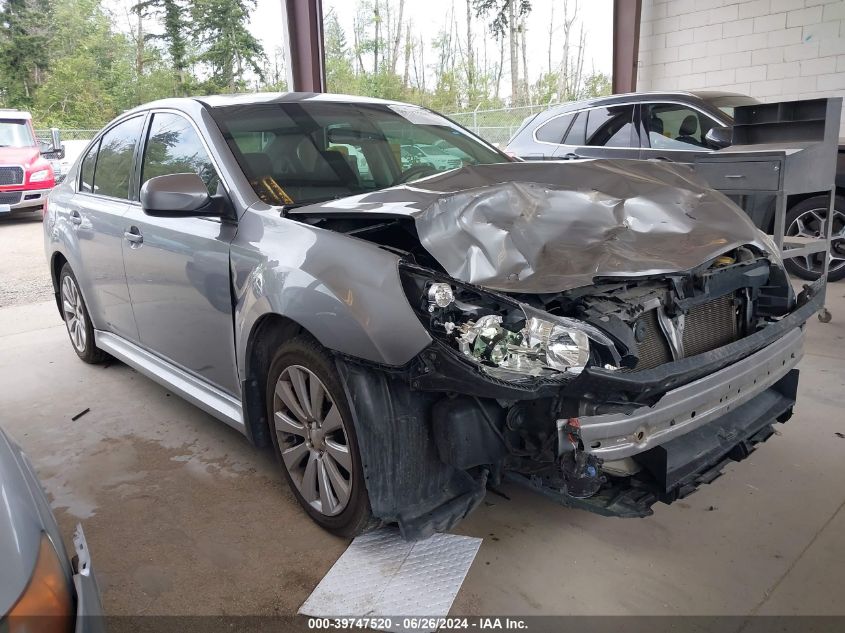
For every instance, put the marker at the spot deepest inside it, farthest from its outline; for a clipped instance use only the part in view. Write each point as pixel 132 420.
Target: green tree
pixel 228 48
pixel 340 71
pixel 91 71
pixel 171 13
pixel 24 30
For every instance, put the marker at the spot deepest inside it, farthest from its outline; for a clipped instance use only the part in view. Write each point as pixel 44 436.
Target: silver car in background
pixel 607 333
pixel 41 588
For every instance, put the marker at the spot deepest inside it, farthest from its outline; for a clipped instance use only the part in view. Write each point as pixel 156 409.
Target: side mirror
pixel 179 196
pixel 719 137
pixel 54 149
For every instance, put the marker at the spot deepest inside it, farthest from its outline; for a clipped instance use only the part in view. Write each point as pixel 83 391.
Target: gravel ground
pixel 24 277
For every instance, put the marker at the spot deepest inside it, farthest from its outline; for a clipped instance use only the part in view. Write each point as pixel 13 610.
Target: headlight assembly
pixel 509 340
pixel 39 176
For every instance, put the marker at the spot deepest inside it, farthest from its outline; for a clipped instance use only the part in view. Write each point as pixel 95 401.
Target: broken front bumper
pixel 615 436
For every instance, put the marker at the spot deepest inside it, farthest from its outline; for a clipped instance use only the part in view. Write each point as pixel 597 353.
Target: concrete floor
pixel 184 517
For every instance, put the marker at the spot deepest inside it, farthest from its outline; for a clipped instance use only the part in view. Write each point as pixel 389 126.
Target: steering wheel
pixel 415 172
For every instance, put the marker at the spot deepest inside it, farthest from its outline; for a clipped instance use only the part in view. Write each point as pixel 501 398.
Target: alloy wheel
pixel 74 313
pixel 312 440
pixel 813 223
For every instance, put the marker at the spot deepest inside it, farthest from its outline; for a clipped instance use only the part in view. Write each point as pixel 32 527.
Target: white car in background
pixel 429 155
pixel 72 151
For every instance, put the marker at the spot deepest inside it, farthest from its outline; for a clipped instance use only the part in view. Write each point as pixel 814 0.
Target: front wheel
pixel 314 438
pixel 808 218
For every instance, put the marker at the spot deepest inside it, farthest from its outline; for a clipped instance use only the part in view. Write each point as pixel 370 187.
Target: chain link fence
pixel 497 126
pixel 68 134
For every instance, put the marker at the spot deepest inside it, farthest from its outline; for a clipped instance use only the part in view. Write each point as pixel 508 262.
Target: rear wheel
pixel 314 438
pixel 808 218
pixel 77 320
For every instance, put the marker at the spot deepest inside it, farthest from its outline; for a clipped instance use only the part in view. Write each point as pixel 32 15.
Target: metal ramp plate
pixel 381 575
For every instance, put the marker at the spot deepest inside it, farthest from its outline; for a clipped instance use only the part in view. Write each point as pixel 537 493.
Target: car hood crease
pixel 550 227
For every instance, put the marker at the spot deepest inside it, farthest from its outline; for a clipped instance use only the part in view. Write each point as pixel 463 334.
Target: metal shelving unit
pixel 782 149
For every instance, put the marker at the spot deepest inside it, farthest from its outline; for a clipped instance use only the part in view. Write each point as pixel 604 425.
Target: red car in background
pixel 26 175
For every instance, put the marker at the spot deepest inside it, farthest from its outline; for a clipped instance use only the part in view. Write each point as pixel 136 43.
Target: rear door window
pixel 610 126
pixel 113 171
pixel 676 126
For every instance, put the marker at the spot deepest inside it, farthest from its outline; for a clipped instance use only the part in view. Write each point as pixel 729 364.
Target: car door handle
pixel 133 235
pixel 570 156
pixel 75 218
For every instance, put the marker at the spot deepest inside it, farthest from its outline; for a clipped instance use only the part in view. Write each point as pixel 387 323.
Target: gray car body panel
pixel 21 524
pixel 198 289
pixel 24 517
pixel 346 291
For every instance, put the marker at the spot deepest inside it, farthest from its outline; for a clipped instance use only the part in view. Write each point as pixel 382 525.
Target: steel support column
pixel 626 44
pixel 304 47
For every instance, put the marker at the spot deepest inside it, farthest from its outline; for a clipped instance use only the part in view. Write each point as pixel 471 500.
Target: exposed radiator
pixel 706 327
pixel 710 325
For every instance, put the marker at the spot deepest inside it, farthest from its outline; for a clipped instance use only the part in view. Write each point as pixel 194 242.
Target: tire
pixel 808 219
pixel 76 318
pixel 316 443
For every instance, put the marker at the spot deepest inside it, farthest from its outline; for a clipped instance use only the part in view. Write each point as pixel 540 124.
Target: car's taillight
pixel 44 209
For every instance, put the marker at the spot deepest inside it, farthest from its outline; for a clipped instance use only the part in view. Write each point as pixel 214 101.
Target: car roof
pixel 222 101
pixel 696 95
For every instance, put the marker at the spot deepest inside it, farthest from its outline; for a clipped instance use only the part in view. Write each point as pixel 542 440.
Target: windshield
pixel 304 152
pixel 15 133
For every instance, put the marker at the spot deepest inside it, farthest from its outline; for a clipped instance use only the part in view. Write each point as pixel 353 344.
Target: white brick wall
pixel 774 50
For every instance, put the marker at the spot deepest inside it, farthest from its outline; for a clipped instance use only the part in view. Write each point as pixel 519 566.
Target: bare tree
pixel 408 47
pixel 397 37
pixel 377 22
pixel 572 64
pixel 470 57
pixel 501 65
pixel 524 91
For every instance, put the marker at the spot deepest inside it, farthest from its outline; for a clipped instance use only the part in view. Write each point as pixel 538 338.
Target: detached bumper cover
pixel 692 406
pixel 89 609
pixel 678 467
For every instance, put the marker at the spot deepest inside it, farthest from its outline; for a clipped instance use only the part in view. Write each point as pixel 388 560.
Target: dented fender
pixel 347 308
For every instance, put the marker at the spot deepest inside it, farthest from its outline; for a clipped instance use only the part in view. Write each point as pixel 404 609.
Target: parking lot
pixel 183 516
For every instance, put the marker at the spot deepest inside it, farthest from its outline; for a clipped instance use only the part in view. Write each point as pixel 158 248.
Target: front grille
pixel 653 349
pixel 706 327
pixel 10 197
pixel 10 175
pixel 710 325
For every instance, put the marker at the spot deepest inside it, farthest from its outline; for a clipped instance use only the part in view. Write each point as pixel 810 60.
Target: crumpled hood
pixel 549 227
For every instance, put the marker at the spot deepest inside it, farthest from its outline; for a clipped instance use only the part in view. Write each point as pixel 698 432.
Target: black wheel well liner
pixel 267 334
pixel 57 261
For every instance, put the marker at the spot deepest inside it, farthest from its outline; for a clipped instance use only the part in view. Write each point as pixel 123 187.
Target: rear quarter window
pixel 554 130
pixel 86 170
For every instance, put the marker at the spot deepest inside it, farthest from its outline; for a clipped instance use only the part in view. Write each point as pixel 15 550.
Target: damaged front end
pixel 607 333
pixel 608 398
